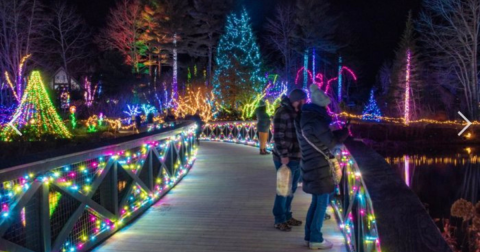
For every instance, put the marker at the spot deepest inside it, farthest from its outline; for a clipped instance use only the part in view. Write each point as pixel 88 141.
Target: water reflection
pixel 440 178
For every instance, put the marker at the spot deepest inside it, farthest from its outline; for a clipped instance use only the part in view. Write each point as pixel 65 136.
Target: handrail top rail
pixel 58 161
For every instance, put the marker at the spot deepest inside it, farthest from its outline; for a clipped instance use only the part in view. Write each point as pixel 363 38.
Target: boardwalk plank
pixel 224 204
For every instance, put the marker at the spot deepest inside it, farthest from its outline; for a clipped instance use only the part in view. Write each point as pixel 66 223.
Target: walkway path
pixel 223 204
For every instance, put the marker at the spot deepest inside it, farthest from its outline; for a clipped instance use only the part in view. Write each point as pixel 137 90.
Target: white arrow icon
pixel 468 123
pixel 13 120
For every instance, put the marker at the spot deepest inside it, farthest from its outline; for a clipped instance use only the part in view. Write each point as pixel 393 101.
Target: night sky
pixel 375 26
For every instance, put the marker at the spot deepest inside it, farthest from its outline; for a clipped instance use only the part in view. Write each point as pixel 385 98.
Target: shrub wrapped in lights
pixel 200 100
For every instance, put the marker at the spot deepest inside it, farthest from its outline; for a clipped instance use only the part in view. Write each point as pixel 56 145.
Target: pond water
pixel 440 177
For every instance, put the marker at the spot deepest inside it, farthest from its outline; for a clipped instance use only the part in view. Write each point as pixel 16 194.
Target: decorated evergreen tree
pixel 35 116
pixel 237 75
pixel 371 111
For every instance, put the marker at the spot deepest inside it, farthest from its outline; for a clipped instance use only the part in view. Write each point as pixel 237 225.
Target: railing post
pixel 115 188
pixel 45 217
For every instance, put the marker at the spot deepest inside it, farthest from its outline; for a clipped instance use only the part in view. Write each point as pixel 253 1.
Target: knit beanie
pixel 297 95
pixel 318 97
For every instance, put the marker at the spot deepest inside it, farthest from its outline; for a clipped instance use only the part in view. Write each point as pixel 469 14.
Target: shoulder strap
pixel 315 147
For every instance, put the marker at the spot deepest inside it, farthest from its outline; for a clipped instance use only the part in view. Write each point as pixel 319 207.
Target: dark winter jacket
pixel 199 122
pixel 284 135
pixel 315 121
pixel 263 119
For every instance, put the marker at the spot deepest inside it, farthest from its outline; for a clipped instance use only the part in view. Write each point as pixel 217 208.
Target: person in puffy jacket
pixel 263 126
pixel 317 177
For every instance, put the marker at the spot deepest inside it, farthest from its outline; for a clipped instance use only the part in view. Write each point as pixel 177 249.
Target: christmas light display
pixel 238 60
pixel 20 74
pixel 202 101
pixel 360 222
pixel 65 99
pixel 12 87
pixel 6 114
pixel 73 119
pixel 101 118
pixel 175 69
pixel 132 112
pixel 147 109
pixel 340 79
pixel 407 87
pixel 314 58
pixel 305 70
pixel 320 79
pixel 80 186
pixel 19 84
pixel 92 124
pixel 89 93
pixel 371 111
pixel 243 132
pixel 37 114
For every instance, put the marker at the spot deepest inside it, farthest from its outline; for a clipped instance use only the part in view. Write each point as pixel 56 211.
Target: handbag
pixel 284 181
pixel 335 168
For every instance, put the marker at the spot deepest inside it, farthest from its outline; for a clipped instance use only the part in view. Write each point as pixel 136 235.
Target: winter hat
pixel 261 103
pixel 318 96
pixel 297 95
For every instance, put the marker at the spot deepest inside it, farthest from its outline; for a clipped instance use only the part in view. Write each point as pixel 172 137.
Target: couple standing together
pixel 298 126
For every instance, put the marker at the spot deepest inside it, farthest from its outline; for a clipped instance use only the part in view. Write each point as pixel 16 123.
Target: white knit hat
pixel 318 96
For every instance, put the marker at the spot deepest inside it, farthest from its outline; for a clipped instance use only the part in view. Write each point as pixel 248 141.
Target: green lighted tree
pixel 35 116
pixel 237 76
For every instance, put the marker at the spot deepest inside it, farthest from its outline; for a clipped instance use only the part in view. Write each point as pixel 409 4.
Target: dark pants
pixel 315 216
pixel 282 208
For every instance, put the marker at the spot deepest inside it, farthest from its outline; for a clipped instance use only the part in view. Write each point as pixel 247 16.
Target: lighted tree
pixel 200 100
pixel 21 22
pixel 371 111
pixel 35 116
pixel 123 33
pixel 89 93
pixel 406 86
pixel 237 75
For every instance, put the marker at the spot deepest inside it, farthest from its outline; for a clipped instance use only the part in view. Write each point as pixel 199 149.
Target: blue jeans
pixel 282 208
pixel 315 216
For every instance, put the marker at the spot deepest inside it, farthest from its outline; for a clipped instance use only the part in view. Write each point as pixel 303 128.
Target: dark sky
pixel 374 25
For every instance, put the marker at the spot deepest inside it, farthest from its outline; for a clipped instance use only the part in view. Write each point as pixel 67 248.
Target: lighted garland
pixel 35 114
pixel 397 120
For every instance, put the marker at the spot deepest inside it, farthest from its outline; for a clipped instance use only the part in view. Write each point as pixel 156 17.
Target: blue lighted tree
pixel 371 111
pixel 238 64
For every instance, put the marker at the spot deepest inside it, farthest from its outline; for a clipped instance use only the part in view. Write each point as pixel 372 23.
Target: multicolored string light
pixel 36 114
pixel 238 54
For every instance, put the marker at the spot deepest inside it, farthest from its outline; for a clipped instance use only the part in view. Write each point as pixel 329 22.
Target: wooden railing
pixel 73 202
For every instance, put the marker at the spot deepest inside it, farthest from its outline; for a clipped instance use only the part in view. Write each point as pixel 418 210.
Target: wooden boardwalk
pixel 223 204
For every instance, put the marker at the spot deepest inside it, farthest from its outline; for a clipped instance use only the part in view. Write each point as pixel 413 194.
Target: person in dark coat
pixel 286 151
pixel 170 117
pixel 200 124
pixel 263 126
pixel 317 177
